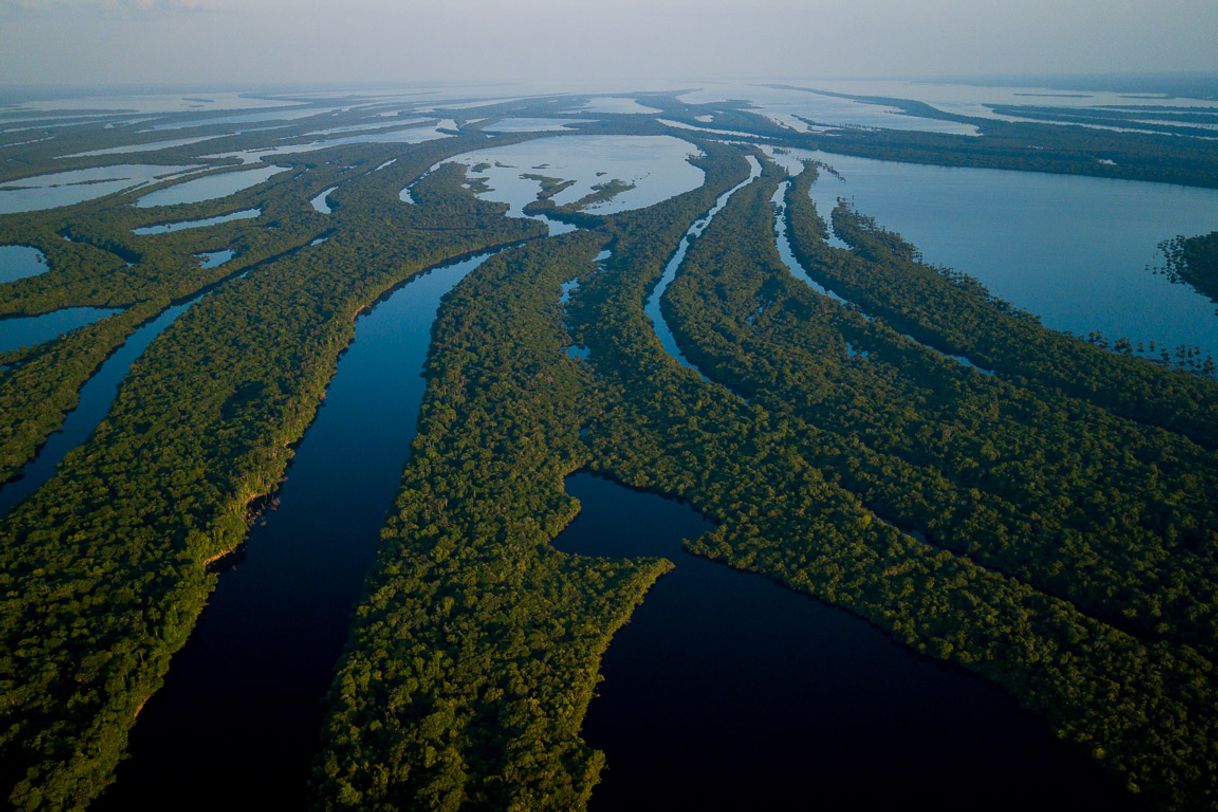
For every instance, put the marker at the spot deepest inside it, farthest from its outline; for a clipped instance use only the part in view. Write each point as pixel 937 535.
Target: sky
pixel 251 42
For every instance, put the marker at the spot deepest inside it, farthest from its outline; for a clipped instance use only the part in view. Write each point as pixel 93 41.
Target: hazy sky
pixel 253 41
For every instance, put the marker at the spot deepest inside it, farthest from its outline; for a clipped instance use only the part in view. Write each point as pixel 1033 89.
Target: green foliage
pixel 104 566
pixel 952 312
pixel 1010 582
pixel 475 653
pixel 1051 527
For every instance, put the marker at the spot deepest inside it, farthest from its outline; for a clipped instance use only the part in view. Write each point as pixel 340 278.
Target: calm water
pixel 725 689
pixel 165 228
pixel 973 99
pixel 525 125
pixel 320 204
pixel 95 398
pixel 410 135
pixel 1072 250
pixel 382 124
pixel 214 259
pixel 800 272
pixel 21 261
pixel 280 115
pixel 728 691
pixel 652 305
pixel 148 147
pixel 208 188
pixel 245 693
pixel 657 166
pixel 26 331
pixel 782 105
pixel 77 186
pixel 616 104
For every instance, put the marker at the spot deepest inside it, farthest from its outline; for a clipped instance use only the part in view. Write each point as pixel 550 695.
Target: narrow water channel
pixel 800 272
pixel 99 391
pixel 180 225
pixel 652 305
pixel 95 398
pixel 728 691
pixel 238 718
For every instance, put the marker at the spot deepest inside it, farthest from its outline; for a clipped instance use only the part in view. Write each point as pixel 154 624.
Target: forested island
pixel 862 427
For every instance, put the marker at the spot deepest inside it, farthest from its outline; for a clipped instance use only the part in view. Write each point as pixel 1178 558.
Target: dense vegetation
pixel 104 265
pixel 966 459
pixel 1052 527
pixel 790 506
pixel 104 567
pixel 796 501
pixel 475 654
pixel 953 312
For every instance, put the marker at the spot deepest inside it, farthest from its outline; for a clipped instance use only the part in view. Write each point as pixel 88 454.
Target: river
pixel 239 715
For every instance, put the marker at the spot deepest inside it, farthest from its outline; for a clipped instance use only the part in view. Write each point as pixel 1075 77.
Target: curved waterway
pixel 99 391
pixel 94 403
pixel 728 691
pixel 238 718
pixel 652 305
pixel 1072 250
pixel 800 272
pixel 321 203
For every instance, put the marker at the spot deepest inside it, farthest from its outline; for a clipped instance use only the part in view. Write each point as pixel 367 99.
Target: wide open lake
pixel 1073 250
pixel 657 165
pixel 728 691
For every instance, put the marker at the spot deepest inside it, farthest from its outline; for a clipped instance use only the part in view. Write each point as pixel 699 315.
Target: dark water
pixel 95 398
pixel 238 719
pixel 728 691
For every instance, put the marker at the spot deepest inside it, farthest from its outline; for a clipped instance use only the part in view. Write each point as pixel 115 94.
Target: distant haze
pixel 251 42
